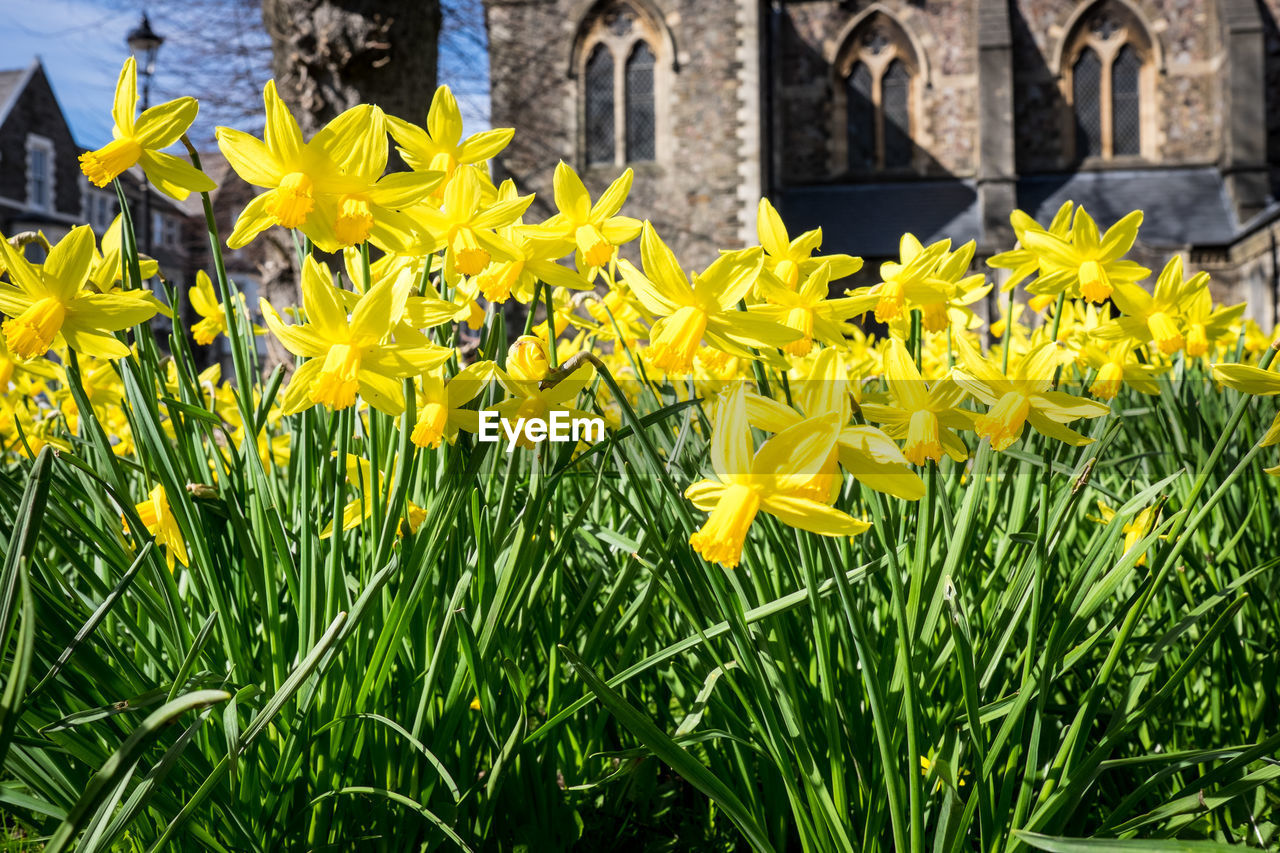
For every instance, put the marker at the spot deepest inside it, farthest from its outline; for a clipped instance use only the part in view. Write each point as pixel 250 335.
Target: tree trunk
pixel 330 55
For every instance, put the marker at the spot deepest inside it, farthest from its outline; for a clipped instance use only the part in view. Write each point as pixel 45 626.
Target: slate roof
pixel 1186 206
pixel 11 83
pixel 1181 206
pixel 868 219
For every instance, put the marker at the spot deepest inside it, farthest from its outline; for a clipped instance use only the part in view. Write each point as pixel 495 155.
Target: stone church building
pixel 932 116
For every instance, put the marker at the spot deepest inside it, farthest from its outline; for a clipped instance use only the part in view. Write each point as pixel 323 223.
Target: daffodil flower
pixel 157 517
pixel 1026 396
pixel 139 141
pixel 907 283
pixel 1021 261
pixel 1117 366
pixel 440 404
pixel 346 355
pixel 532 261
pixel 1155 317
pixel 1206 326
pixel 356 512
pixel 791 261
pixel 108 269
pixel 331 188
pixel 49 304
pixel 923 416
pixel 864 451
pixel 807 310
pixel 527 366
pixel 441 148
pixel 702 311
pixel 1087 265
pixel 594 230
pixel 213 314
pixel 464 225
pixel 1253 380
pixel 772 479
pixel 1135 529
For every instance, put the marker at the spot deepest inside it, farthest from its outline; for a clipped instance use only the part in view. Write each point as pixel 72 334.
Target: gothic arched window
pixel 618 86
pixel 875 98
pixel 598 97
pixel 1109 57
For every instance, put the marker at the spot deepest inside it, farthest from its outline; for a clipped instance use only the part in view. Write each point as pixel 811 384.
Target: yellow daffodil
pixel 440 404
pixel 532 261
pixel 791 261
pixel 1252 380
pixel 331 188
pixel 346 355
pixel 1134 529
pixel 1025 396
pixel 49 304
pixel 923 416
pixel 1086 265
pixel 139 140
pixel 806 310
pixel 464 225
pixel 594 230
pixel 1155 317
pixel 527 366
pixel 213 314
pixel 773 479
pixel 907 283
pixel 157 517
pixel 1117 366
pixel 441 148
pixel 702 311
pixel 1023 262
pixel 864 451
pixel 108 270
pixel 356 512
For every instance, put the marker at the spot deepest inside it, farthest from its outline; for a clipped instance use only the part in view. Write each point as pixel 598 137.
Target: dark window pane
pixel 860 127
pixel 599 105
pixel 894 95
pixel 640 120
pixel 1126 137
pixel 1086 94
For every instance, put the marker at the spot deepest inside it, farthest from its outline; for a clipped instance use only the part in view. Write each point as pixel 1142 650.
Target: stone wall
pixel 944 123
pixel 691 192
pixel 1187 116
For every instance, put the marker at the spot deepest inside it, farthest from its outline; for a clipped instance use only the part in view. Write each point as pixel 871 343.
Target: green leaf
pixel 671 753
pixel 1059 844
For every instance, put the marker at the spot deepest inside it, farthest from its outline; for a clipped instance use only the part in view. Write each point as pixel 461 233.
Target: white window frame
pixel 43 144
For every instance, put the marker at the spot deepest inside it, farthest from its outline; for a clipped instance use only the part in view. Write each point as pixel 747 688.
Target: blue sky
pixel 82 45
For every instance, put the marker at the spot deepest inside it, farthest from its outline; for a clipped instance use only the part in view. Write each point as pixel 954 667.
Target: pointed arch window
pixel 1110 83
pixel 619 84
pixel 875 100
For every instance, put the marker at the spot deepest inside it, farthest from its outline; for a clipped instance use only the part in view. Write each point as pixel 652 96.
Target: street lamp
pixel 144 43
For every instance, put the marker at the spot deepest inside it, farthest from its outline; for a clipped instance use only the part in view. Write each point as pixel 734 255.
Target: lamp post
pixel 144 43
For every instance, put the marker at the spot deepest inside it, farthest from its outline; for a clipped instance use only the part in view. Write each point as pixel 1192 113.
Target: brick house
pixel 936 116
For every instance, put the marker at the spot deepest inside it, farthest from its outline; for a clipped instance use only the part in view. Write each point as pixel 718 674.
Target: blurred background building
pixel 937 117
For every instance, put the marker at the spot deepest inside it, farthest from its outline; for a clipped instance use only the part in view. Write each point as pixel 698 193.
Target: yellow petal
pixel 126 100
pixel 805 514
pixel 161 125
